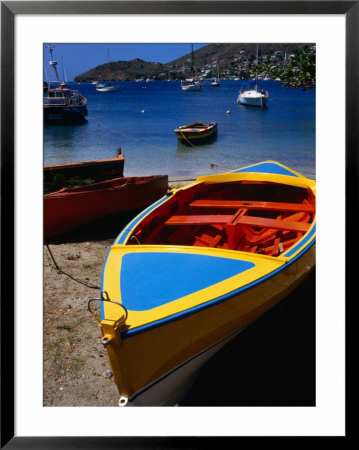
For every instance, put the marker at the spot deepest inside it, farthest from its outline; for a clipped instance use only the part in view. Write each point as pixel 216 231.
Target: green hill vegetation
pixel 230 60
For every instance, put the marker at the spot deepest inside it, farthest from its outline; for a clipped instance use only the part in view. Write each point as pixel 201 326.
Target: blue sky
pixel 79 58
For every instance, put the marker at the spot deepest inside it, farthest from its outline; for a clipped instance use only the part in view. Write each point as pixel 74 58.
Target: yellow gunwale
pixel 265 265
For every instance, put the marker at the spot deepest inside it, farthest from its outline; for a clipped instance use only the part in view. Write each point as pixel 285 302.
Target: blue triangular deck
pixel 149 280
pixel 267 167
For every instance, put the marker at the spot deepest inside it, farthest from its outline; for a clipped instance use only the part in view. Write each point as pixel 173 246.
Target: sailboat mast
pixel 192 68
pixel 257 70
pixel 63 71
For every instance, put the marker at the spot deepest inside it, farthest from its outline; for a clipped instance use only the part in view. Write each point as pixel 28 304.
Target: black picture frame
pixel 9 9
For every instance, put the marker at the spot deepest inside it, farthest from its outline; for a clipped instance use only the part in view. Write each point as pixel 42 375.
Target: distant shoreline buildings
pixel 238 65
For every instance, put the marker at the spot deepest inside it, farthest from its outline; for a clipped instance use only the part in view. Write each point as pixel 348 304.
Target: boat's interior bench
pixel 241 220
pixel 238 224
pixel 260 206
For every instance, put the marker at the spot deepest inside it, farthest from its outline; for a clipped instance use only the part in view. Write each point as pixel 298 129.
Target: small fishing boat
pixel 57 176
pixel 195 268
pixel 63 105
pixel 196 133
pixel 70 208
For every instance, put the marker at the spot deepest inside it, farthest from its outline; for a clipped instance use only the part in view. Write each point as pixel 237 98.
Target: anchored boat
pixel 250 95
pixel 195 268
pixel 191 84
pixel 196 133
pixel 106 87
pixel 62 105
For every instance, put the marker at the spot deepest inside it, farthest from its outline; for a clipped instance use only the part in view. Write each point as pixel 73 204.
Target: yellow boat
pixel 195 268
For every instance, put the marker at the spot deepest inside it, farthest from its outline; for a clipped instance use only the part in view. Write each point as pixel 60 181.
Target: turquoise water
pixel 141 117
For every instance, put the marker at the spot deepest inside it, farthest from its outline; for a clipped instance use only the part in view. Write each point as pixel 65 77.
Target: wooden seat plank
pixel 268 206
pixel 207 219
pixel 263 222
pixel 260 222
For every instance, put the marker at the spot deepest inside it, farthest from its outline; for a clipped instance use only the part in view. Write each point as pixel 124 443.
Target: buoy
pixel 228 111
pixel 143 111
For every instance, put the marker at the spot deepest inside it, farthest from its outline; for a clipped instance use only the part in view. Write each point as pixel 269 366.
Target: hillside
pixel 121 71
pixel 233 60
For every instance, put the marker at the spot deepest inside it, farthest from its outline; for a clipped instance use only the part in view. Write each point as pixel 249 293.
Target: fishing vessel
pixel 196 133
pixel 250 95
pixel 62 105
pixel 191 84
pixel 195 268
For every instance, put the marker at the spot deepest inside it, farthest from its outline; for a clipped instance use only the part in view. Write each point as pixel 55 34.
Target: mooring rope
pixel 68 275
pixel 151 145
pixel 190 156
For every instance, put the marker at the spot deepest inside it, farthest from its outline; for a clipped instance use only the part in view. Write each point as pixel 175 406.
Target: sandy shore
pixel 270 363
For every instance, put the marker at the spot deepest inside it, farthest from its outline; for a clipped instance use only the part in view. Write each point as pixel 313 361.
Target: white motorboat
pixel 106 87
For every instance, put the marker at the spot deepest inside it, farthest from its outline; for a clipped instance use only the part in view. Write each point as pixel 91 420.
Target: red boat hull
pixel 68 209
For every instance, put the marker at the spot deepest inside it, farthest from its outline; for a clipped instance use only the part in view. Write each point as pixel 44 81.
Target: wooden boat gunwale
pixel 85 164
pixel 104 186
pixel 196 128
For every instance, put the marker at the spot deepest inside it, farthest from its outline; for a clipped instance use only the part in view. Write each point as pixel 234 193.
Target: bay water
pixel 141 118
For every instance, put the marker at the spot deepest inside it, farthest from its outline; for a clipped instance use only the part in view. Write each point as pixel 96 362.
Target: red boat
pixel 70 208
pixel 57 176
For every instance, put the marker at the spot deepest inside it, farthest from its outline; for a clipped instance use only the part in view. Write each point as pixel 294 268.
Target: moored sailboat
pixel 250 95
pixel 191 84
pixel 107 86
pixel 215 82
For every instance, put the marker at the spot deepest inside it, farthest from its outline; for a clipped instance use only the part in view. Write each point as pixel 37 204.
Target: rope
pixel 186 138
pixel 130 137
pixel 150 145
pixel 212 165
pixel 68 275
